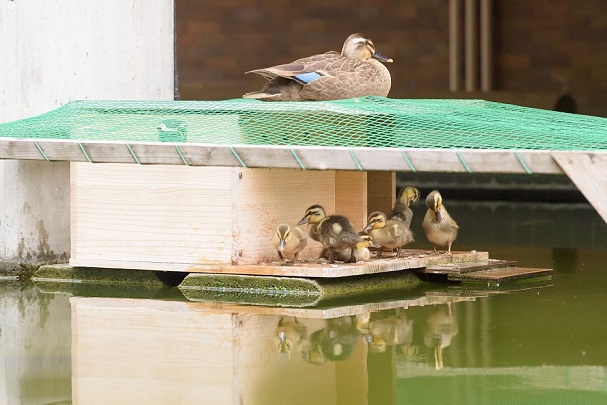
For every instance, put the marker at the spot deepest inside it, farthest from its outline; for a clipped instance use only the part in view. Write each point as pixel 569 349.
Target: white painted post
pixel 54 51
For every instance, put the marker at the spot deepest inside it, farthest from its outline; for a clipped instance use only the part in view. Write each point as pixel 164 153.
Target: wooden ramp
pixel 588 171
pixel 492 273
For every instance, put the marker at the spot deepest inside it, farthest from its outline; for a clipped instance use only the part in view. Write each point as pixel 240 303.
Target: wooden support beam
pixel 587 170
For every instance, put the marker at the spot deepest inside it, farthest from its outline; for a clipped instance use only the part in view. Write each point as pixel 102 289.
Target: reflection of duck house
pixel 156 351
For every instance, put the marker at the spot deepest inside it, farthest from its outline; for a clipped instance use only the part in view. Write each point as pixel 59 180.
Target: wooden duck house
pixel 160 217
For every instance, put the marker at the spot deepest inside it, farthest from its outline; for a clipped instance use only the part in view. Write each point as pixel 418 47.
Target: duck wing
pixel 304 70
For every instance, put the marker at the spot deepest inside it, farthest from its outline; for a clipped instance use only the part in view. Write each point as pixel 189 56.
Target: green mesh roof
pixel 365 122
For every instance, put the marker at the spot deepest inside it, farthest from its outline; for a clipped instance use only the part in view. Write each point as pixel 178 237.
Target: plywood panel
pixel 351 197
pixel 264 198
pixel 151 213
pixel 381 191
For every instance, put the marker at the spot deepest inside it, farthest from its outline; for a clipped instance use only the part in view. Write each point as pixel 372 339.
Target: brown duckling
pixel 440 228
pixel 361 250
pixel 335 232
pixel 402 207
pixel 289 240
pixel 389 234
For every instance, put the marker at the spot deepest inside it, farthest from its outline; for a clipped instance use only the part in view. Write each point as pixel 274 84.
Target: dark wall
pixel 539 44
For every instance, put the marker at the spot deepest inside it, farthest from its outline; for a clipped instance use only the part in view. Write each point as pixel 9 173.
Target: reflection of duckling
pixel 394 330
pixel 335 232
pixel 334 342
pixel 291 333
pixel 289 240
pixel 440 329
pixel 402 207
pixel 390 234
pixel 438 225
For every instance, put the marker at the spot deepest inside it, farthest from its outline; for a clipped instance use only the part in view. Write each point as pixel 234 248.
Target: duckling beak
pixel 367 228
pixel 304 220
pixel 382 58
pixel 439 217
pixel 374 244
pixel 281 245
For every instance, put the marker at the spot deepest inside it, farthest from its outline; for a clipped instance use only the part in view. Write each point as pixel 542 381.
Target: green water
pixel 536 343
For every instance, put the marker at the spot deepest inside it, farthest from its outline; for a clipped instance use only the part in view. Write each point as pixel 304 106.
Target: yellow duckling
pixel 402 210
pixel 335 232
pixel 388 233
pixel 289 241
pixel 438 225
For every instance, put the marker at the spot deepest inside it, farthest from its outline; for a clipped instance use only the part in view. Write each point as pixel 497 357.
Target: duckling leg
pixel 448 252
pixel 379 252
pixel 352 258
pixel 398 253
pixel 280 255
pixel 330 256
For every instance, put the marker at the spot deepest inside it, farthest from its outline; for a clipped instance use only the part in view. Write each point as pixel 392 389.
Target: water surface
pixel 527 343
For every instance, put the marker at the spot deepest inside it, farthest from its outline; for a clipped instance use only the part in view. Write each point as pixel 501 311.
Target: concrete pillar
pixel 54 51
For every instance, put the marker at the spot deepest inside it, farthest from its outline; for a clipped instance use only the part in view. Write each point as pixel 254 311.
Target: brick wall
pixel 538 44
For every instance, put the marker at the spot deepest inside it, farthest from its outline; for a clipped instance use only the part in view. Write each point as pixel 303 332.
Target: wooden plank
pixel 19 149
pixel 267 157
pixel 460 268
pixel 381 191
pixel 305 268
pixel 351 197
pixel 314 269
pixel 273 156
pixel 501 275
pixel 588 171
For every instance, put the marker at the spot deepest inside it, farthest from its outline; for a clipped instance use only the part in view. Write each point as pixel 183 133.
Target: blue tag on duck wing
pixel 306 78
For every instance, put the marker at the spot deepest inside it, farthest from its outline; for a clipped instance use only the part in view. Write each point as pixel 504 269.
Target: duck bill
pixel 367 228
pixel 302 221
pixel 439 216
pixel 381 58
pixel 282 245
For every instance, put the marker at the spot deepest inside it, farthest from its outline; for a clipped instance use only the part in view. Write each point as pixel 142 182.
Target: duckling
pixel 355 72
pixel 289 240
pixel 391 234
pixel 361 250
pixel 438 225
pixel 335 232
pixel 402 210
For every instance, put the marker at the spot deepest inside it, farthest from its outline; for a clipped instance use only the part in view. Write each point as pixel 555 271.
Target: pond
pixel 537 342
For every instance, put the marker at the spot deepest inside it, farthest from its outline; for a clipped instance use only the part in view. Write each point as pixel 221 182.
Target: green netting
pixel 369 121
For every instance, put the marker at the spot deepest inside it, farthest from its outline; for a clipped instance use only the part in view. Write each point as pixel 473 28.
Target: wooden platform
pixel 413 259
